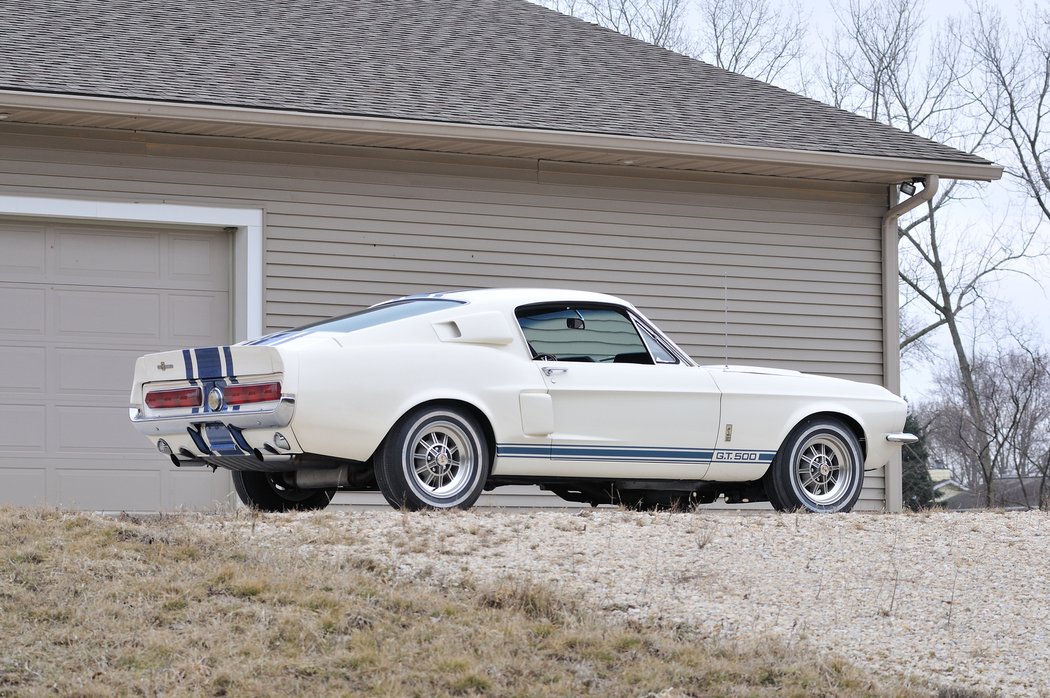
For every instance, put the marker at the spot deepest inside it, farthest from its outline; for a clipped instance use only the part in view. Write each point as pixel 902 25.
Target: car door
pixel 625 405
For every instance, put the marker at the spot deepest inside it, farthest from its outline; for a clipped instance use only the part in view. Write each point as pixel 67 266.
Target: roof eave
pixel 901 168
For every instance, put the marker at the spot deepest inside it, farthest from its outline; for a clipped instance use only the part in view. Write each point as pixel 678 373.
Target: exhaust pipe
pixel 318 479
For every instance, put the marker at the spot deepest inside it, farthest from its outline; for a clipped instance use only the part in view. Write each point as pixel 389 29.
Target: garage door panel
pixel 108 490
pixel 22 428
pixel 23 311
pixel 84 429
pixel 90 257
pixel 198 488
pixel 194 319
pixel 195 261
pixel 23 486
pixel 110 315
pixel 25 253
pixel 23 368
pixel 93 372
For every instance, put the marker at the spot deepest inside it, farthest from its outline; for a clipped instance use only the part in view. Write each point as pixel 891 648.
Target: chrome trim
pixel 280 416
pixel 902 438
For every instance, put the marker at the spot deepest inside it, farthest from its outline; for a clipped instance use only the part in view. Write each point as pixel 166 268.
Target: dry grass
pixel 101 606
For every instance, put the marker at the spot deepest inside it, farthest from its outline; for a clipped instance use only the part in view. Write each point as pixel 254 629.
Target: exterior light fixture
pixel 909 186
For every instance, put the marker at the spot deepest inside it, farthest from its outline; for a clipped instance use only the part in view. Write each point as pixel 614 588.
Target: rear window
pixel 369 317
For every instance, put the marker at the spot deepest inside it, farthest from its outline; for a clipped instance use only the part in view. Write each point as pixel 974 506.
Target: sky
pixel 1018 301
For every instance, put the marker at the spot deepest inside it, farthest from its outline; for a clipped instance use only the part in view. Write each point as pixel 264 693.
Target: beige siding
pixel 799 261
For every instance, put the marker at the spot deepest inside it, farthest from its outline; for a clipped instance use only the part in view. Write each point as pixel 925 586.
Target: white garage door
pixel 78 304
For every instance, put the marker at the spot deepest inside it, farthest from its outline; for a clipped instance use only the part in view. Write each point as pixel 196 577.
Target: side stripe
pixel 633 454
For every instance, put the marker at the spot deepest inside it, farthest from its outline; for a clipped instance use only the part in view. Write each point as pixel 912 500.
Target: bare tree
pixel 757 38
pixel 1012 84
pixel 1012 440
pixel 876 67
pixel 660 22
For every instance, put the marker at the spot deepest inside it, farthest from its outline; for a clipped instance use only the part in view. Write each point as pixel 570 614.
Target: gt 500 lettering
pixel 736 455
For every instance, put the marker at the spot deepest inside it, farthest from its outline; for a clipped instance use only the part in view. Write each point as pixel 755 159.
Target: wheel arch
pixel 847 419
pixel 476 412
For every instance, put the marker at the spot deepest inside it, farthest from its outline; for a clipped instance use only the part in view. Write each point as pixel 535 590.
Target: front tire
pixel 270 492
pixel 436 457
pixel 819 468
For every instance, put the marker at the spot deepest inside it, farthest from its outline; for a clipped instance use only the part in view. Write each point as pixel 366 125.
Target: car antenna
pixel 725 290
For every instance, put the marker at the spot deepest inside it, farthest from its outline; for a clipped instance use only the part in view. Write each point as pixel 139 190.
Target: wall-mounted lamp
pixel 909 186
pixel 4 116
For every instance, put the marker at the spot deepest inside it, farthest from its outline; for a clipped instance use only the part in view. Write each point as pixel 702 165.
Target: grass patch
pixel 99 606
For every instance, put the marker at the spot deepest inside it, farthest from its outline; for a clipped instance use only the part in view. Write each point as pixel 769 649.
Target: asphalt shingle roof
pixel 490 62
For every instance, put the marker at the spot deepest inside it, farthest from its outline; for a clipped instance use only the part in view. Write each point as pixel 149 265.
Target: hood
pixel 760 370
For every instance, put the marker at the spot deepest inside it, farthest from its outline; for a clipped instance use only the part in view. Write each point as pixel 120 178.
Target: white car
pixel 433 399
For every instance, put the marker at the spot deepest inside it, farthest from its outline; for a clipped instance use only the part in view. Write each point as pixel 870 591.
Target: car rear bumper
pixel 278 417
pixel 239 440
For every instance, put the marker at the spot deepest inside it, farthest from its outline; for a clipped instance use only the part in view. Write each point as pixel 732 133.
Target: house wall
pixel 760 270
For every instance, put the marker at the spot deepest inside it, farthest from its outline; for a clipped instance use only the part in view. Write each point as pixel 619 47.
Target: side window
pixel 585 334
pixel 661 354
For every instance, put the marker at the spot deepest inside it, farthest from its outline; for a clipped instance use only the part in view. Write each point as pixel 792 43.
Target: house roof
pixel 494 63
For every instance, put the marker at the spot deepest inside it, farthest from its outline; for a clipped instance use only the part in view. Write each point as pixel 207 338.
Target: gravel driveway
pixel 963 599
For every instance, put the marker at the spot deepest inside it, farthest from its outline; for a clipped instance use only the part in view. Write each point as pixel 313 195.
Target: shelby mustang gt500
pixel 434 399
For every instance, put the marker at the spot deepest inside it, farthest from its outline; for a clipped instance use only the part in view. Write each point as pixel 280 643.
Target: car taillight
pixel 181 397
pixel 260 392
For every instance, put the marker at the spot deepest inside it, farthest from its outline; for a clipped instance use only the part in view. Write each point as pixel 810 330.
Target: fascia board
pixel 492 134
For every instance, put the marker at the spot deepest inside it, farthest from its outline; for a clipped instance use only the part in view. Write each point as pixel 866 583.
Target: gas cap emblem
pixel 215 399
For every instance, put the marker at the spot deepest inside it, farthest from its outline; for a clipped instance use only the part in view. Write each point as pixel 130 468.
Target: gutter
pixel 891 356
pixel 628 145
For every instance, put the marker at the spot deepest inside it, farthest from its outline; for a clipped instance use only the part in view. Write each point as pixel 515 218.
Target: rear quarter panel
pixel 349 397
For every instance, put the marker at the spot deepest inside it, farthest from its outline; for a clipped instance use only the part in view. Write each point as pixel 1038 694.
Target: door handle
pixel 551 370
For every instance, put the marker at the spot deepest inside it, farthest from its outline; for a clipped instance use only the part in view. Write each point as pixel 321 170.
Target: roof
pixel 519 296
pixel 496 63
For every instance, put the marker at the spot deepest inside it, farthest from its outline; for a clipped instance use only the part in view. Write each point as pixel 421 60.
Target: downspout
pixel 891 355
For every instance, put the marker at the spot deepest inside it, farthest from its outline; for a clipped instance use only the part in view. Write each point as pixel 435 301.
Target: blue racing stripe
pixel 631 453
pixel 188 360
pixel 221 441
pixel 228 353
pixel 209 363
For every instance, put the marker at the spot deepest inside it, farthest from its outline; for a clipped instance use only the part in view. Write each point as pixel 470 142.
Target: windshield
pixel 369 317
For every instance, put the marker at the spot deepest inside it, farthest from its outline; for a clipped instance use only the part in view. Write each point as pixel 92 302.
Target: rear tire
pixel 269 492
pixel 436 457
pixel 819 468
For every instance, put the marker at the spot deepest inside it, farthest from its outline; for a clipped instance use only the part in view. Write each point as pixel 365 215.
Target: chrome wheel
pixel 442 459
pixel 819 467
pixel 823 469
pixel 435 457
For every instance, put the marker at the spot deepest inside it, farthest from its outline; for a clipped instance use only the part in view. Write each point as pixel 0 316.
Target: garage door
pixel 78 304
